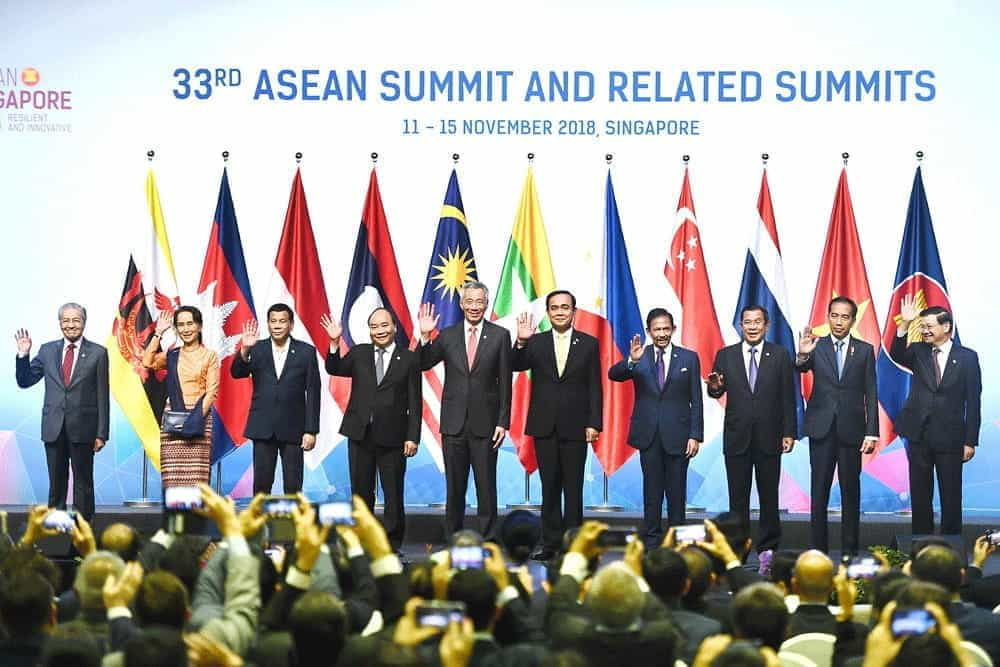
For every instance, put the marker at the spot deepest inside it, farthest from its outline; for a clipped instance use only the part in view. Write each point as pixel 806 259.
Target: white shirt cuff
pixel 119 612
pixel 238 545
pixel 733 564
pixel 386 565
pixel 643 584
pixel 506 595
pixel 575 565
pixel 163 538
pixel 355 551
pixel 375 623
pixel 298 578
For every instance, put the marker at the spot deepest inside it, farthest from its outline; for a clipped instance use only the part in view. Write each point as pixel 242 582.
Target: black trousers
pixel 59 455
pixel 924 462
pixel 560 467
pixel 364 458
pixel 461 451
pixel 265 459
pixel 826 455
pixel 766 466
pixel 663 474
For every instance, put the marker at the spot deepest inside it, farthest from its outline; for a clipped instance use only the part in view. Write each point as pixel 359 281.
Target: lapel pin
pixel 292 351
pixel 954 361
pixel 684 370
pixel 767 354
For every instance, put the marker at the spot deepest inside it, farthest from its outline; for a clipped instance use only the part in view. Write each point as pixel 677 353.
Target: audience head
pixel 122 539
pixel 156 647
pixel 940 565
pixel 519 533
pixel 915 594
pixel 740 654
pixel 183 558
pixel 565 658
pixel 929 649
pixel 26 559
pixel 614 599
pixel 813 577
pixel 318 623
pixel 700 574
pixel 666 572
pixel 26 605
pixel 466 538
pixel 162 599
pixel 71 646
pixel 422 579
pixel 736 533
pixel 759 612
pixel 90 576
pixel 783 567
pixel 928 540
pixel 885 587
pixel 479 592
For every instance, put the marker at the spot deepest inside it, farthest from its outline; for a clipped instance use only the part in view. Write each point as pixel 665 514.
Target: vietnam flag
pixel 842 273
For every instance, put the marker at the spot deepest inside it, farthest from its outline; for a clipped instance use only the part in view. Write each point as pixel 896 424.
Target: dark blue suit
pixel 662 423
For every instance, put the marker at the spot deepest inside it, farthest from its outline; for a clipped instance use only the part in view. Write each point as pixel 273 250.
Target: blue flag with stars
pixel 452 261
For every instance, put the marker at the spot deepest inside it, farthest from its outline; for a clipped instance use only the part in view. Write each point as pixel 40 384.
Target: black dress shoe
pixel 543 554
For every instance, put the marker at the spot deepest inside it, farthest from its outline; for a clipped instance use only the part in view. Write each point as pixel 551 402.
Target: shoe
pixel 543 554
pixel 765 557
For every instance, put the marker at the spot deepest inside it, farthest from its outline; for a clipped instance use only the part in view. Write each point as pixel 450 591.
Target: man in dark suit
pixel 565 412
pixel 383 415
pixel 475 402
pixel 667 422
pixel 75 407
pixel 941 416
pixel 756 378
pixel 284 410
pixel 841 420
pixel 813 581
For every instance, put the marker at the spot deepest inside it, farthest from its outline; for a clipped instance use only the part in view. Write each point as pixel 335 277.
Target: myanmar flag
pixel 525 279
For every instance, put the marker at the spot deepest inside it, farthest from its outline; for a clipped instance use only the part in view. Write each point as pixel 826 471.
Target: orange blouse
pixel 198 371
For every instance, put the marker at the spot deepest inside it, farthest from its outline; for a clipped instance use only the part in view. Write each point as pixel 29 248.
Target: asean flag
pixel 374 280
pixel 226 303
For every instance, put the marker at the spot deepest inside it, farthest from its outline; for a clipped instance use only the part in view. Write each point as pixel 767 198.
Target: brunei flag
pixel 525 279
pixel 140 392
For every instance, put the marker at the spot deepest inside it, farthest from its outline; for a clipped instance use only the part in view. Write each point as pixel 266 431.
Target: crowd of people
pixel 341 595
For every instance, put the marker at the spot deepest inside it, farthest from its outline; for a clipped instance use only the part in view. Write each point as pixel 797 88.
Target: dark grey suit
pixel 73 416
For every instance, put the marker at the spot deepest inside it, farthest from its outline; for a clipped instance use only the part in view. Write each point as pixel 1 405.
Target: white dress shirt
pixel 280 353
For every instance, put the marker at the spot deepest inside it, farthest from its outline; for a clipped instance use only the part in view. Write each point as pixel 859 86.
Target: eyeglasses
pixel 474 302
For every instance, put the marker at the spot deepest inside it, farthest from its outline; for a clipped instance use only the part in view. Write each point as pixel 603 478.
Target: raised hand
pixel 427 319
pixel 635 348
pixel 23 341
pixel 907 309
pixel 807 341
pixel 249 337
pixel 164 322
pixel 333 328
pixel 525 327
pixel 716 381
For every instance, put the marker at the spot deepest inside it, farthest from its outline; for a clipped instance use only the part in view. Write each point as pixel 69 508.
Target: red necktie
pixel 471 347
pixel 67 368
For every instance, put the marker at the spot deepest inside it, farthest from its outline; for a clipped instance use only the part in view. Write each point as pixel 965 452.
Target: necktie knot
pixel 72 346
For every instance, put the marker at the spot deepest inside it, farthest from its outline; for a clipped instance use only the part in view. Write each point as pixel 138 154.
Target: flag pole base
pixel 438 505
pixel 696 509
pixel 524 506
pixel 141 502
pixel 606 506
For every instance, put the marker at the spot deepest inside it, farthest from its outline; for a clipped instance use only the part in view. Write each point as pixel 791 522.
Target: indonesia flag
pixel 616 318
pixel 687 274
pixel 226 303
pixel 298 281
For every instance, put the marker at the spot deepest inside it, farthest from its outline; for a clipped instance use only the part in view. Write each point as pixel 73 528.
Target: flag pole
pixel 144 500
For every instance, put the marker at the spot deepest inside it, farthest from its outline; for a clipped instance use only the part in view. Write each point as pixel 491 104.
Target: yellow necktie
pixel 562 350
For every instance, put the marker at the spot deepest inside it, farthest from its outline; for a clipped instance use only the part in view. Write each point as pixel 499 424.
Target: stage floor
pixel 425 525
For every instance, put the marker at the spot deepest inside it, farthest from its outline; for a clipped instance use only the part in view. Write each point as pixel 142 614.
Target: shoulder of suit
pixel 583 336
pixel 301 344
pixel 490 325
pixel 864 345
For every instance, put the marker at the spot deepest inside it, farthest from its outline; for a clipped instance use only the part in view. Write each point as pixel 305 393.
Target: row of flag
pixel 226 301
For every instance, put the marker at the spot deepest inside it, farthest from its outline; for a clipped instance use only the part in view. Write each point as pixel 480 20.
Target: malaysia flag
pixel 226 303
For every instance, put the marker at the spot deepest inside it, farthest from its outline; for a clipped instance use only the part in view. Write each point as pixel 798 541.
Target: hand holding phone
pixel 863 567
pixel 614 538
pixel 907 622
pixel 182 498
pixel 438 614
pixel 61 520
pixel 468 557
pixel 689 534
pixel 335 514
pixel 280 506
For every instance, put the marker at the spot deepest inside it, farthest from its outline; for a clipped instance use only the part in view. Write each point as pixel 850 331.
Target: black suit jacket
pixel 476 399
pixel 940 417
pixel 849 402
pixel 392 407
pixel 281 408
pixel 562 405
pixel 676 413
pixel 771 408
pixel 83 405
pixel 817 618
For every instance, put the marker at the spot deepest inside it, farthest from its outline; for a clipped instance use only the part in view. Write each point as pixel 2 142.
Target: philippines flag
pixel 226 303
pixel 298 282
pixel 764 283
pixel 918 273
pixel 452 264
pixel 617 319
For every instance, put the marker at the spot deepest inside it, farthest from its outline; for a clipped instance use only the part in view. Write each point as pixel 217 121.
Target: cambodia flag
pixel 919 274
pixel 374 278
pixel 226 303
pixel 764 284
pixel 614 325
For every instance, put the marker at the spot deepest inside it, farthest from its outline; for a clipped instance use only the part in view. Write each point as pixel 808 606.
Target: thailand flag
pixel 764 284
pixel 226 303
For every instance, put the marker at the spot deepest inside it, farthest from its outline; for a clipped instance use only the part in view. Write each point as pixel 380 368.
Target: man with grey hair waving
pixel 75 407
pixel 475 402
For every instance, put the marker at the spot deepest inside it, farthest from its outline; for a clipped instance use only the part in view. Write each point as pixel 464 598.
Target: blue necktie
pixel 840 358
pixel 660 370
pixel 752 371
